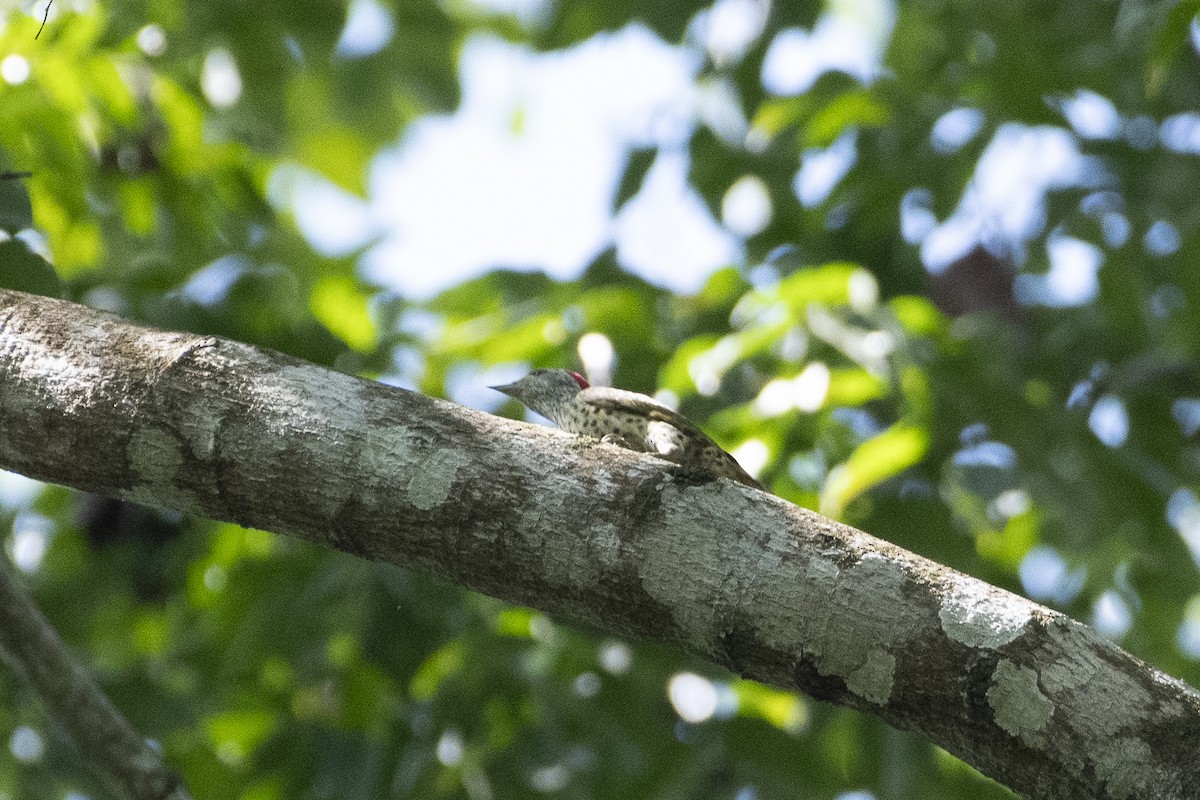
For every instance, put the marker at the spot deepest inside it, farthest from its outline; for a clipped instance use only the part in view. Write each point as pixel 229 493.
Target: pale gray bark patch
pixel 1114 701
pixel 867 618
pixel 699 578
pixel 1123 763
pixel 386 448
pixel 430 486
pixel 974 615
pixel 1077 663
pixel 873 680
pixel 1021 708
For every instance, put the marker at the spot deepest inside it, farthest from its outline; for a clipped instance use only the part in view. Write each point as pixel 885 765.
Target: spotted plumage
pixel 628 419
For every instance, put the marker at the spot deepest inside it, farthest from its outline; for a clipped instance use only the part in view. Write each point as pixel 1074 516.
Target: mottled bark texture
pixel 594 534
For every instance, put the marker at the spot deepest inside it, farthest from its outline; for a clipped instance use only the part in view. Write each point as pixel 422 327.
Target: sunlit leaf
pixel 264 790
pixel 1009 546
pixel 239 733
pixel 775 116
pixel 514 622
pixel 530 340
pixel 828 284
pixel 918 315
pixel 139 206
pixel 874 461
pixel 342 308
pixel 439 666
pixel 785 710
pixel 854 387
pixel 675 374
pixel 343 649
pixel 151 633
pixel 850 110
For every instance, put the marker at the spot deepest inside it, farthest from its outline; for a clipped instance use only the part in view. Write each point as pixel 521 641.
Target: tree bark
pixel 594 534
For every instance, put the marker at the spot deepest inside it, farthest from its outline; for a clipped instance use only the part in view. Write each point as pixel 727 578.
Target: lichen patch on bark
pixel 873 680
pixel 429 487
pixel 1123 764
pixel 977 616
pixel 1018 705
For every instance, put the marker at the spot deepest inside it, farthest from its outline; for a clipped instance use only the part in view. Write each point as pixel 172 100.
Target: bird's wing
pixel 609 399
pixel 667 440
pixel 620 400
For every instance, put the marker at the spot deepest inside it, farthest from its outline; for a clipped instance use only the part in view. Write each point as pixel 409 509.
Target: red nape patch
pixel 582 381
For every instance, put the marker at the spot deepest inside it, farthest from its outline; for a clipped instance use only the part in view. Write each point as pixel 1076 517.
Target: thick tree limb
pixel 122 758
pixel 594 534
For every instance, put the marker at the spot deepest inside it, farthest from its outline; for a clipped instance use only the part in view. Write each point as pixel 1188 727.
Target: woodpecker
pixel 631 420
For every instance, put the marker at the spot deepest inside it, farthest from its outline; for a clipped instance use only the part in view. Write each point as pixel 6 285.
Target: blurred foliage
pixel 954 424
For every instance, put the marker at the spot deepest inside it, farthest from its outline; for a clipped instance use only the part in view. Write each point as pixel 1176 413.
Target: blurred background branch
pixel 111 747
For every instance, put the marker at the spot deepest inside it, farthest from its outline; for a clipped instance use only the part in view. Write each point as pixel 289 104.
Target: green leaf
pixel 440 665
pixel 828 284
pixel 675 374
pixel 784 710
pixel 1169 43
pixel 342 307
pixel 777 115
pixel 918 316
pixel 638 165
pixel 237 734
pixel 151 632
pixel 853 386
pixel 874 461
pixel 26 271
pixel 16 212
pixel 514 622
pixel 850 110
pixel 1009 546
pixel 525 341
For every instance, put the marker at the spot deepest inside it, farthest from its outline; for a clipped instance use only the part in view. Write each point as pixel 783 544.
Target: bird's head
pixel 546 391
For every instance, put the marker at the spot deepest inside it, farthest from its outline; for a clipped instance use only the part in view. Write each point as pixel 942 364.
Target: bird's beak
pixel 506 388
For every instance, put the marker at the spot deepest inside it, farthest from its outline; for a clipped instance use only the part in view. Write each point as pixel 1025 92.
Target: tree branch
pixel 593 534
pixel 122 758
